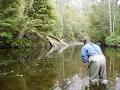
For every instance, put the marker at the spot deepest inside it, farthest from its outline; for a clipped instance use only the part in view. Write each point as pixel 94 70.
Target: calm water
pixel 30 69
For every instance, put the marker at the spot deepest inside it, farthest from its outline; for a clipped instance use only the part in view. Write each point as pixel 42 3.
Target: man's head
pixel 86 39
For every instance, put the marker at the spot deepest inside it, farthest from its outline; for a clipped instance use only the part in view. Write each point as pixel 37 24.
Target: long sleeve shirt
pixel 90 49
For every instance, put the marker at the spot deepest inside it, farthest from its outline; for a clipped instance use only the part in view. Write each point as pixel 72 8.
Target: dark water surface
pixel 29 69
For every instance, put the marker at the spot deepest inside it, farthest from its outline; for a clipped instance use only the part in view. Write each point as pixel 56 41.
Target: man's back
pixel 90 49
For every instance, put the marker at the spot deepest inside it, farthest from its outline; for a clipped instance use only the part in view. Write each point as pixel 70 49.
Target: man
pixel 93 58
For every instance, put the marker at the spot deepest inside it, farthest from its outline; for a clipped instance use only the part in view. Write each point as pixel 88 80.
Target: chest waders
pixel 97 70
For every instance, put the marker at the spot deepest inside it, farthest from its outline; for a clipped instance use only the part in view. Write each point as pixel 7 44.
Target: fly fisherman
pixel 95 61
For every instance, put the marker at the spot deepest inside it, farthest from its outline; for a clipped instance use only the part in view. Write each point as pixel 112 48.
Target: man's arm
pixel 84 55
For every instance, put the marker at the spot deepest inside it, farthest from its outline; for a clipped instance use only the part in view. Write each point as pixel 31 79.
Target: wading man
pixel 93 58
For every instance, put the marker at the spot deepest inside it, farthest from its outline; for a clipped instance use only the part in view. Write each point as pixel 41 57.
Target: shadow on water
pixel 29 69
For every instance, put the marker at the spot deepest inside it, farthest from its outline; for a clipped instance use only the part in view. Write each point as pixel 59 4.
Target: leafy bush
pixel 21 42
pixel 6 38
pixel 113 40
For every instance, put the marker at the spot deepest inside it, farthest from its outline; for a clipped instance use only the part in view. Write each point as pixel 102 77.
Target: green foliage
pixel 12 25
pixel 8 15
pixel 113 40
pixel 100 23
pixel 42 15
pixel 98 28
pixel 22 43
pixel 9 8
pixel 6 38
pixel 17 16
pixel 10 21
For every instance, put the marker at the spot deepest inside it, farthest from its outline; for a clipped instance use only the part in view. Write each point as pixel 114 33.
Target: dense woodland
pixel 24 23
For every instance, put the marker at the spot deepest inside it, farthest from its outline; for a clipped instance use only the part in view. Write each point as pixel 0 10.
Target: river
pixel 30 69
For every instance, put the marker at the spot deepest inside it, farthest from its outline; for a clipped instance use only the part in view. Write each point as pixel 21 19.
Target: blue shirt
pixel 90 49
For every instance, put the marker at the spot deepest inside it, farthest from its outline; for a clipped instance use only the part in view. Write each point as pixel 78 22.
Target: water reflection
pixel 113 71
pixel 73 83
pixel 28 69
pixel 70 84
pixel 117 83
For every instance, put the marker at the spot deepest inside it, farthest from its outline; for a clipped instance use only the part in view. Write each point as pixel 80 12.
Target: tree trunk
pixel 114 16
pixel 110 16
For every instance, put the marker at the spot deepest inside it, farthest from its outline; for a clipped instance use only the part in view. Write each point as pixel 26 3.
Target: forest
pixel 24 23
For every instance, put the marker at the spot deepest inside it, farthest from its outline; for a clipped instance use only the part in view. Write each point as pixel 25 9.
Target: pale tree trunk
pixel 114 16
pixel 113 23
pixel 110 16
pixel 60 6
pixel 62 17
pixel 21 14
pixel 62 11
